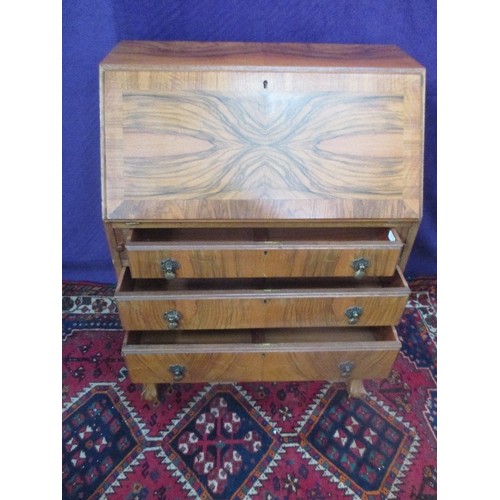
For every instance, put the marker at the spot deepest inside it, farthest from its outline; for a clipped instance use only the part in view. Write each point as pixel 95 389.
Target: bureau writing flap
pixel 200 144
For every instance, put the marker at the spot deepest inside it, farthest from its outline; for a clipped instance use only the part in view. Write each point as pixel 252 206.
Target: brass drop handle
pixel 353 314
pixel 173 318
pixel 178 371
pixel 169 267
pixel 359 266
pixel 346 368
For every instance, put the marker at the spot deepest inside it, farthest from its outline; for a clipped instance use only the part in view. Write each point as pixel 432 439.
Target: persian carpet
pixel 245 440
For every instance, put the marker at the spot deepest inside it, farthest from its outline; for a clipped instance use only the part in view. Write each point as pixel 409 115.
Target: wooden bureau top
pixel 227 55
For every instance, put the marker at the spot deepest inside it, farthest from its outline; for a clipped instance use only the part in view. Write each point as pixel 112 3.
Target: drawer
pixel 259 303
pixel 263 252
pixel 260 355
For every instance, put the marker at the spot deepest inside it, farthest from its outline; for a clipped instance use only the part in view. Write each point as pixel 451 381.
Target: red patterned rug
pixel 244 441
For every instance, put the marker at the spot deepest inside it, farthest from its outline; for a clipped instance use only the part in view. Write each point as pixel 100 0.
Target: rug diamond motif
pixel 353 438
pixel 96 437
pixel 222 443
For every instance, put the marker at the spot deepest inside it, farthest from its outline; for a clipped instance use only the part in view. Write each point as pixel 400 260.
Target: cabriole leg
pixel 150 392
pixel 356 389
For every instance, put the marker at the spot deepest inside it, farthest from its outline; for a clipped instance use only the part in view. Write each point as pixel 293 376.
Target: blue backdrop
pixel 93 27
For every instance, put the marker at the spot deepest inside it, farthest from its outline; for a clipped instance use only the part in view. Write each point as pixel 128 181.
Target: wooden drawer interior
pixel 251 339
pixel 129 287
pixel 293 236
pixel 267 354
pixel 264 252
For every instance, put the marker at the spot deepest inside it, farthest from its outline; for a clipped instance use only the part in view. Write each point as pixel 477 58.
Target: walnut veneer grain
pixel 258 145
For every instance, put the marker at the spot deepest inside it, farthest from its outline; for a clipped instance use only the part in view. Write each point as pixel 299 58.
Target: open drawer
pixel 260 355
pixel 262 252
pixel 259 303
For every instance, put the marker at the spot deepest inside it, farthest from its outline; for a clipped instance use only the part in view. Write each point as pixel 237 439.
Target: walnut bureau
pixel 260 202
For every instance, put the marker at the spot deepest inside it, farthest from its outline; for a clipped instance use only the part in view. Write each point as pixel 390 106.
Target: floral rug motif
pixel 272 441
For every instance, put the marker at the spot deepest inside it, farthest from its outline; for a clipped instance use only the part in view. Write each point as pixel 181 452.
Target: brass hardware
pixel 353 314
pixel 346 368
pixel 173 318
pixel 178 371
pixel 359 266
pixel 170 267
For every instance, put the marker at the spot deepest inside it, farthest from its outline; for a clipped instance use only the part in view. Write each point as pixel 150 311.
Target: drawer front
pixel 260 312
pixel 261 307
pixel 325 360
pixel 313 255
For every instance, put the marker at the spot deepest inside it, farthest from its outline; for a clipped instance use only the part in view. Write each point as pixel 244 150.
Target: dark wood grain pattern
pixel 262 146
